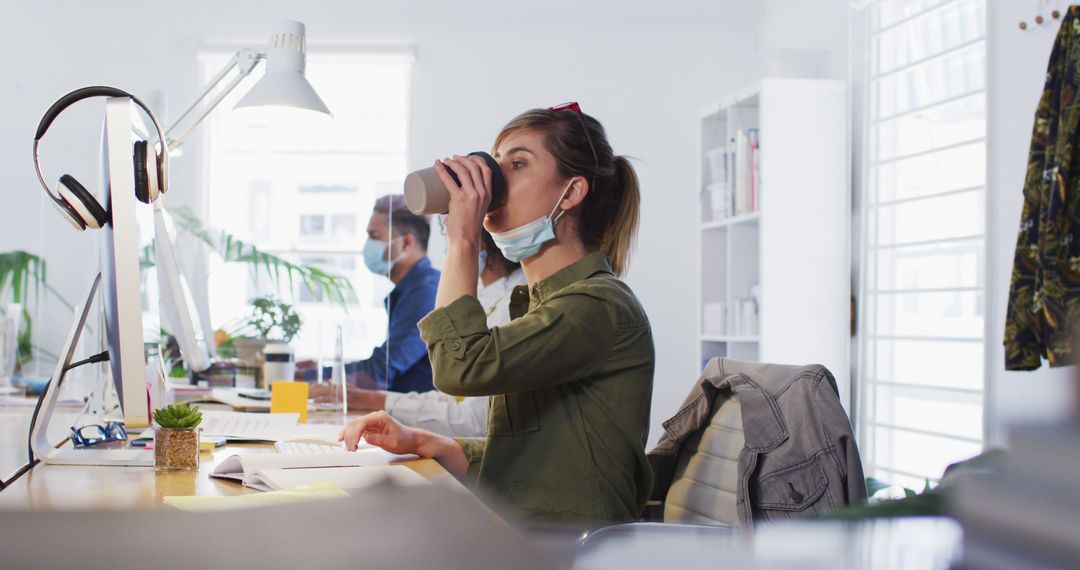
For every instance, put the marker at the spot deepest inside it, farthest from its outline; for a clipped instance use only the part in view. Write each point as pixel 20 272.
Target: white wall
pixel 1017 67
pixel 638 66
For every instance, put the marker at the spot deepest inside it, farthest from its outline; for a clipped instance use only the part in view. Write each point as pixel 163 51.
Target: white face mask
pixel 526 240
pixel 375 256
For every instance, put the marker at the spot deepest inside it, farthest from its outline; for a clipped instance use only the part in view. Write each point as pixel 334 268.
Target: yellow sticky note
pixel 289 397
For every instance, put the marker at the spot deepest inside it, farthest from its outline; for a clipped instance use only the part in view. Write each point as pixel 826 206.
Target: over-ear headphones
pixel 72 199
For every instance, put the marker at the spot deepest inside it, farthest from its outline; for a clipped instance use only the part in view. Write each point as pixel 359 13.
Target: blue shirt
pixel 401 363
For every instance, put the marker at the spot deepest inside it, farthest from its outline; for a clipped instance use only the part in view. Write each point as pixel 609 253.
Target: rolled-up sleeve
pixel 449 326
pixel 473 447
pixel 564 338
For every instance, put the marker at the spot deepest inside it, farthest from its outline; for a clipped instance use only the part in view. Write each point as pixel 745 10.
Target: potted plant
pixel 271 321
pixel 176 439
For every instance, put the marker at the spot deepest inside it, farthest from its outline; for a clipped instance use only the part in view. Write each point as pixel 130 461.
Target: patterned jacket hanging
pixel 1044 296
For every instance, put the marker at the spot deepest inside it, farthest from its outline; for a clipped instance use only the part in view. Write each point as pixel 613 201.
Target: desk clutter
pixel 240 427
pixel 228 374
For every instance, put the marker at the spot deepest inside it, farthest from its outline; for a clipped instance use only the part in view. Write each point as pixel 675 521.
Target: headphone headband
pixel 87 93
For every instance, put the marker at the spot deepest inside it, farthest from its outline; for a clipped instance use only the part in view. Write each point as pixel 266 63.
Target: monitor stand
pixel 39 440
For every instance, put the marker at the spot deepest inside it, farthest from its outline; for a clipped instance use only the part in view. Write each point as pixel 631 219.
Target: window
pixel 312 225
pixel 923 252
pixel 307 186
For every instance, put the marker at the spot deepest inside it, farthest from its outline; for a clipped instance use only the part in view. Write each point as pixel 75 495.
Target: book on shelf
pixel 742 174
pixel 734 179
pixel 755 174
pixel 747 177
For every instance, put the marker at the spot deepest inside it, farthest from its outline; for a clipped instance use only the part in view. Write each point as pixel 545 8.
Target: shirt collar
pixel 500 285
pixel 584 268
pixel 414 275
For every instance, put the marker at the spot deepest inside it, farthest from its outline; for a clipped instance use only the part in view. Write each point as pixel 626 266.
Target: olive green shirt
pixel 570 382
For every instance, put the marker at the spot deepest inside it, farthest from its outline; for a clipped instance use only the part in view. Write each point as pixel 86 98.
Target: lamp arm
pixel 244 61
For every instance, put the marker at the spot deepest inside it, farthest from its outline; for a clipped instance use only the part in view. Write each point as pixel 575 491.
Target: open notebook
pixel 347 478
pixel 251 469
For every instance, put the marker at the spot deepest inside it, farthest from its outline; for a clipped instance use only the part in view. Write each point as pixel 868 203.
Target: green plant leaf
pixel 147 257
pixel 873 486
pixel 22 272
pixel 909 493
pixel 337 288
pixel 178 416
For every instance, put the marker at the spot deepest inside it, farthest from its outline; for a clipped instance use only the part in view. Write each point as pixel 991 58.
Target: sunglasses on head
pixel 573 106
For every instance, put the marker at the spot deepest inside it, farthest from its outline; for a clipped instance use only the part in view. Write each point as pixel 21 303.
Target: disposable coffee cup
pixel 279 364
pixel 425 193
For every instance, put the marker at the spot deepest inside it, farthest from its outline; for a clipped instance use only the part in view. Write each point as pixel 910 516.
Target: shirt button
pixel 795 496
pixel 455 346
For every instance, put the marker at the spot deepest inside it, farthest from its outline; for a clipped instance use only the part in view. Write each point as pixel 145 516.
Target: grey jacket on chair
pixel 799 458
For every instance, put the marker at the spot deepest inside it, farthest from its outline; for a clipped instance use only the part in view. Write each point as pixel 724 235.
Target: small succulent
pixel 178 416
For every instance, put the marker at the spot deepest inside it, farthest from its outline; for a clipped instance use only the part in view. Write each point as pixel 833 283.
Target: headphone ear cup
pixel 68 213
pixel 82 203
pixel 138 155
pixel 153 187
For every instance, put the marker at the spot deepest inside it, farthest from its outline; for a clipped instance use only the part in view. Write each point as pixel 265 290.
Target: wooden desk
pixel 94 487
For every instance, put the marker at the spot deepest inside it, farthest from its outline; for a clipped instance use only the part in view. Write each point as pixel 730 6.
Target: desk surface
pixel 89 487
pixel 900 544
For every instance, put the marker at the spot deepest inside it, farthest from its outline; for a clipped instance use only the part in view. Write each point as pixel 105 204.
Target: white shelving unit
pixel 792 249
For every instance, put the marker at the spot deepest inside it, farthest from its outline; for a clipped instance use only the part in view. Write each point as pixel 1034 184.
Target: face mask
pixel 525 241
pixel 375 256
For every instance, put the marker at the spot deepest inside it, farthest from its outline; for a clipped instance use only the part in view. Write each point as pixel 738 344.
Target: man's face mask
pixel 375 256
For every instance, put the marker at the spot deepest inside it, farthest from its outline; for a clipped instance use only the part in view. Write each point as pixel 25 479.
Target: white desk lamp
pixel 283 85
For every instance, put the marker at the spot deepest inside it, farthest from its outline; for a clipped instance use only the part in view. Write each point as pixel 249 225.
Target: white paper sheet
pixel 244 468
pixel 240 425
pixel 344 477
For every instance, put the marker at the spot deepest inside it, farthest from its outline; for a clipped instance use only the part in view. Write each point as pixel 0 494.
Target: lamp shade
pixel 284 83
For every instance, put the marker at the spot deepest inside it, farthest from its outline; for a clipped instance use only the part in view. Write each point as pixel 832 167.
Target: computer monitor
pixel 121 296
pixel 177 304
pixel 121 278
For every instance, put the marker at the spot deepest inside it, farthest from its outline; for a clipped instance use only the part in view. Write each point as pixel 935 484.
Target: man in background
pixel 396 248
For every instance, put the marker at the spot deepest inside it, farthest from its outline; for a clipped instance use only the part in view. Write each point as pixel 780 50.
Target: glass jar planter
pixel 176 449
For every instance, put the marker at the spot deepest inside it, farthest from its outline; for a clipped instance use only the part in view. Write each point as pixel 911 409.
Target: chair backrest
pixel 704 487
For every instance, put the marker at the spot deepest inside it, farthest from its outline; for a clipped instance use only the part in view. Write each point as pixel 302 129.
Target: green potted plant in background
pixel 22 279
pixel 176 438
pixel 271 321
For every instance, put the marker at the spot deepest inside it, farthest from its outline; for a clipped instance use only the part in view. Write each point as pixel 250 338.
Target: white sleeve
pixel 439 413
pixel 442 413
